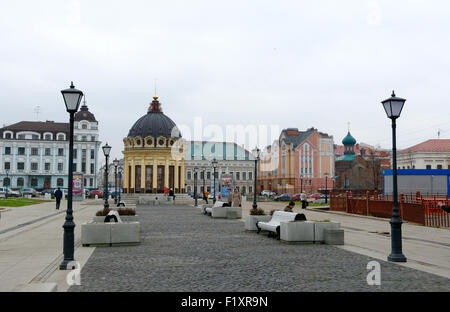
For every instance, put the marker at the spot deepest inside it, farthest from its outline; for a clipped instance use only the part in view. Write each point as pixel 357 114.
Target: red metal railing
pixel 426 210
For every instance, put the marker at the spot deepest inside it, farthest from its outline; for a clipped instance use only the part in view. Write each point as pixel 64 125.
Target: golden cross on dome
pixel 155 97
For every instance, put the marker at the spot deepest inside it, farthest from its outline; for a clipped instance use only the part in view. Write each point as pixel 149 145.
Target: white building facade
pixel 35 154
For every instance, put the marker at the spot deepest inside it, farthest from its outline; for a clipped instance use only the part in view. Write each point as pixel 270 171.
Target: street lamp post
pixel 120 184
pixel 106 150
pixel 326 188
pixel 301 183
pixel 195 186
pixel 7 179
pixel 72 98
pixel 393 107
pixel 214 164
pixel 257 151
pixel 204 189
pixel 116 164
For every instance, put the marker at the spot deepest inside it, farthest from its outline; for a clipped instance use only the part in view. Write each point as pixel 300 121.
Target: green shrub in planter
pixel 257 212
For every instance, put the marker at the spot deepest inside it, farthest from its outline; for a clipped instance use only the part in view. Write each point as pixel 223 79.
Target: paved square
pixel 183 250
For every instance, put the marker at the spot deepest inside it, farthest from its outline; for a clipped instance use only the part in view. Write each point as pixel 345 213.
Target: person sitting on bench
pixel 289 207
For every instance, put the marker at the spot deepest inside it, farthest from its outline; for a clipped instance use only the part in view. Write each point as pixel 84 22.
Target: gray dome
pixel 154 124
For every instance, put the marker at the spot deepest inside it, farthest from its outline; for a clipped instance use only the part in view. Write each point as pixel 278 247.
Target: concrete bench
pixel 273 226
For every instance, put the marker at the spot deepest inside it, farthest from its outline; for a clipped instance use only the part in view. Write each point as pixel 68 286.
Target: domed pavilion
pixel 153 154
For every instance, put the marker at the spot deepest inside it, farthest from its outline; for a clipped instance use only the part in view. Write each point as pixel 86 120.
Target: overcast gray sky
pixel 287 63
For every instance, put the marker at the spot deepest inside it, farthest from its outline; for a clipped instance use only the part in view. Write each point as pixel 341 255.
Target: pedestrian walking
pixel 205 196
pixel 230 197
pixel 303 199
pixel 172 194
pixel 58 195
pixel 236 199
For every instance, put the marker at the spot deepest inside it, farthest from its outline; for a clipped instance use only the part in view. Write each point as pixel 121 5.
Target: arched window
pixel 8 135
pixel 59 182
pixel 34 182
pixel 20 182
pixel 6 182
pixel 60 137
pixel 84 126
pixel 48 137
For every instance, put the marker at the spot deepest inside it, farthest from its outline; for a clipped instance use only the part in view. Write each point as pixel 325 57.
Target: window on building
pixel 244 176
pixel 92 168
pixel 91 182
pixel 60 182
pixel 48 137
pixel 60 152
pixel 60 137
pixel 47 166
pixel 20 182
pixel 34 151
pixel 243 190
pixel 21 136
pixel 7 165
pixel 188 175
pixel 250 189
pixel 83 138
pixel 60 166
pixel 83 167
pixel 8 136
pixel 34 182
pixel 34 166
pixel 7 150
pixel 238 176
pixel 428 167
pixel 202 175
pixel 20 166
pixel 6 182
pixel 21 151
pixel 208 175
pixel 439 167
pixel 75 154
pixel 74 167
pixel 92 154
pixel 47 152
pixel 34 137
pixel 84 126
pixel 189 188
pixel 208 188
pixel 250 175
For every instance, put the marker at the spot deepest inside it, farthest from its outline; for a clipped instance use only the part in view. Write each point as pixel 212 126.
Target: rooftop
pixel 433 145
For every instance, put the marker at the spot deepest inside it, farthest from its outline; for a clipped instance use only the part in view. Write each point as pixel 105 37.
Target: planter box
pixel 234 212
pixel 250 221
pixel 297 231
pixel 110 233
pixel 125 233
pixel 134 218
pixel 319 229
pixel 95 233
pixel 334 236
pixel 219 212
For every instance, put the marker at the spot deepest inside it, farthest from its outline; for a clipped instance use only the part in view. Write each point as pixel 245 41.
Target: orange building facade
pixel 299 161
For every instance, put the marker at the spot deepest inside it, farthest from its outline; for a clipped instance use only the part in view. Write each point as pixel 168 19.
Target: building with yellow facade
pixel 154 154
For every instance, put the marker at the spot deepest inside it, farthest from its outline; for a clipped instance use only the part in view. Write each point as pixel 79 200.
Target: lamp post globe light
pixel 116 164
pixel 106 150
pixel 214 164
pixel 195 186
pixel 393 107
pixel 257 153
pixel 72 98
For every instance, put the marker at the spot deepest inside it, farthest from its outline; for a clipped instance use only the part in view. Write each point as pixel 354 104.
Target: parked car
pixel 48 191
pixel 283 197
pixel 314 196
pixel 95 192
pixel 30 191
pixel 12 193
pixel 268 193
pixel 2 192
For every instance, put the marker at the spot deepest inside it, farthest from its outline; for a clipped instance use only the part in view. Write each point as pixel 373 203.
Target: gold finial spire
pixel 155 97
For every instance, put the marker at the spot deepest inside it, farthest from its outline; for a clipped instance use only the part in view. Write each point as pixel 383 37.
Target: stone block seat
pixel 273 226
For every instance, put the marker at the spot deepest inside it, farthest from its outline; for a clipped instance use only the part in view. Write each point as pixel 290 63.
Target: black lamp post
pixel 257 151
pixel 326 188
pixel 204 189
pixel 301 183
pixel 120 184
pixel 195 186
pixel 214 164
pixel 393 107
pixel 7 179
pixel 106 150
pixel 72 98
pixel 116 164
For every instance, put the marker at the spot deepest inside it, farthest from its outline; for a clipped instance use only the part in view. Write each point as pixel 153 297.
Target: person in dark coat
pixel 171 193
pixel 58 196
pixel 289 207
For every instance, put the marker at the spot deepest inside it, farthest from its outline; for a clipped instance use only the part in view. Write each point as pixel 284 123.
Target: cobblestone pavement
pixel 183 250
